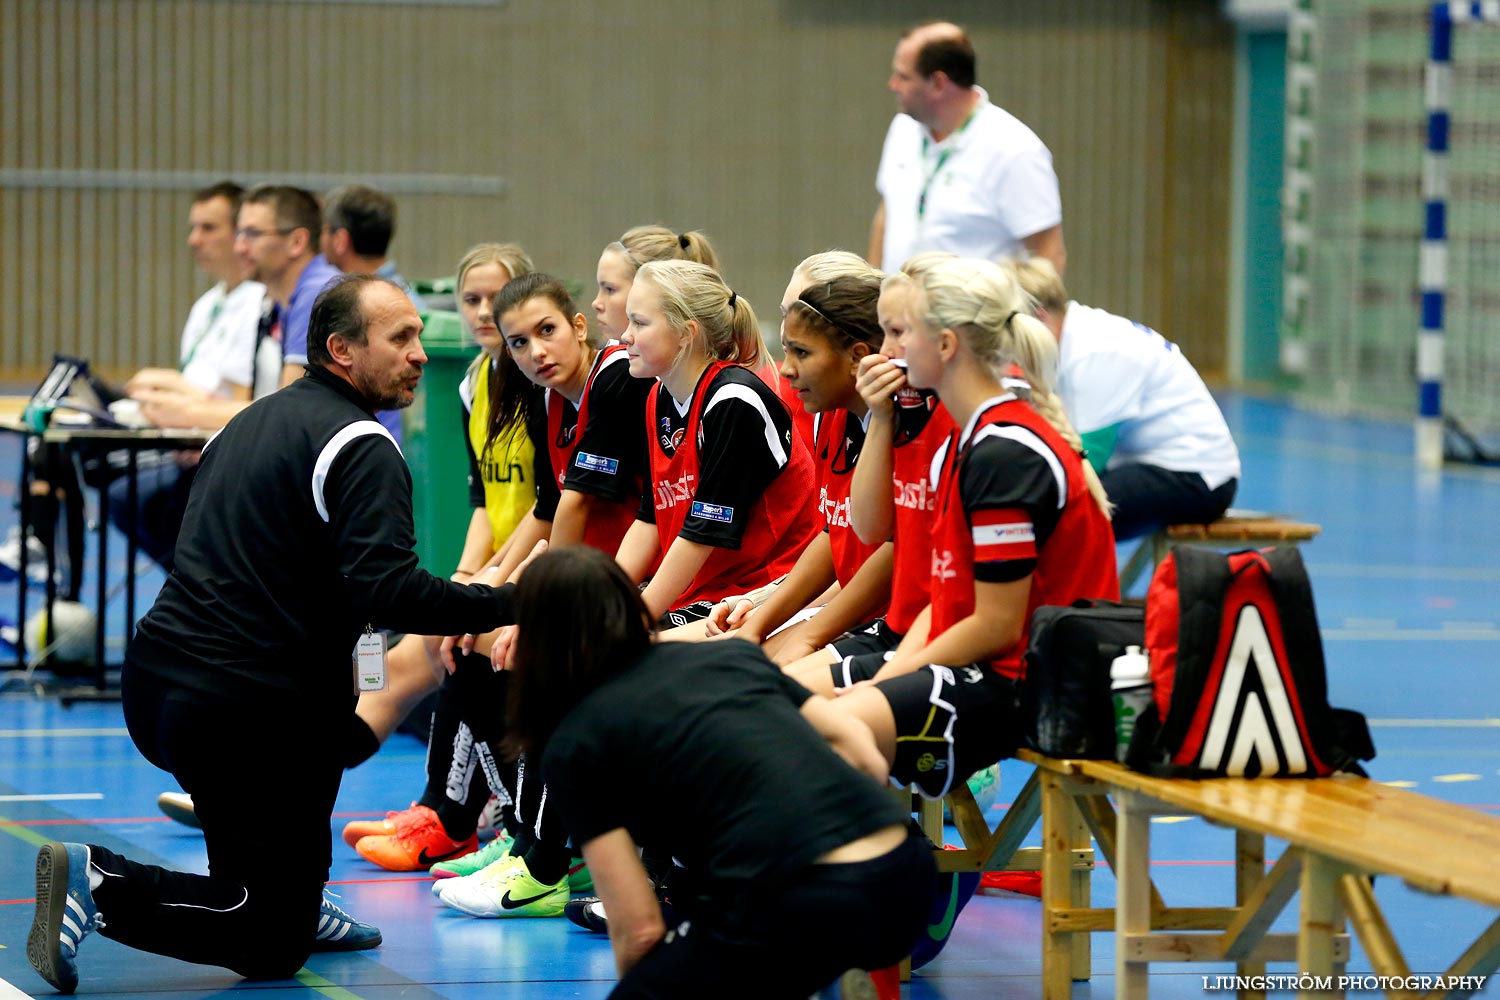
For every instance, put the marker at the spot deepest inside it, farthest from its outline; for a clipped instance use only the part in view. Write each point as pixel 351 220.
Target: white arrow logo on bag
pixel 1251 645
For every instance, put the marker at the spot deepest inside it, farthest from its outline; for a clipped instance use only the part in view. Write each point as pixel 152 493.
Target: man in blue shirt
pixel 279 229
pixel 358 223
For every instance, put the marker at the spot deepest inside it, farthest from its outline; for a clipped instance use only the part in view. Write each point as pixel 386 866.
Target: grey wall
pixel 560 124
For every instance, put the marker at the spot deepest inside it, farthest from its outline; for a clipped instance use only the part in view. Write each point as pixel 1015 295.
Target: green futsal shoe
pixel 474 862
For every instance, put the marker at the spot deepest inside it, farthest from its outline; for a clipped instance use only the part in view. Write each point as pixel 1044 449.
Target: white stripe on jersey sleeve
pixel 466 388
pixel 330 453
pixel 1026 436
pixel 1003 534
pixel 615 358
pixel 734 390
pixel 936 469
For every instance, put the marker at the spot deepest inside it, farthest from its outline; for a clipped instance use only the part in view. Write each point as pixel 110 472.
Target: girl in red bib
pixel 829 326
pixel 590 439
pixel 1020 521
pixel 730 503
pixel 890 497
pixel 644 244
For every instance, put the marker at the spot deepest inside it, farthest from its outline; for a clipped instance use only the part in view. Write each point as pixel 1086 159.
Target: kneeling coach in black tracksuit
pixel 297 541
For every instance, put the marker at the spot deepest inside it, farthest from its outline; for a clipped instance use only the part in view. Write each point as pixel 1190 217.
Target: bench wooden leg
pixel 1322 919
pixel 1057 870
pixel 1249 873
pixel 1132 893
pixel 1080 891
pixel 1140 563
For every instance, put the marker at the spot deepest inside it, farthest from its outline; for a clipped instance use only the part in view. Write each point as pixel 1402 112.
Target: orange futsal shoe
pixel 418 843
pixel 358 829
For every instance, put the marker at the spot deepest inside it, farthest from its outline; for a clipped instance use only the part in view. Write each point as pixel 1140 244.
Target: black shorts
pixel 859 654
pixel 873 637
pixel 950 722
pixel 686 615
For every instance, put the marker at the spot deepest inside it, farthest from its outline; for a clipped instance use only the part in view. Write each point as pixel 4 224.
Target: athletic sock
pixel 548 863
pixel 362 743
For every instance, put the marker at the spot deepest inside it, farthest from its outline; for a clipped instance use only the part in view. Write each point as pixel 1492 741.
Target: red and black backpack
pixel 1239 685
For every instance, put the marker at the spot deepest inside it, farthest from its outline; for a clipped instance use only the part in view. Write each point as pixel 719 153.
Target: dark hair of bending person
pixel 795 865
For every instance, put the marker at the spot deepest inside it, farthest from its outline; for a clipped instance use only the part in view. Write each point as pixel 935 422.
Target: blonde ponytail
pixel 727 327
pixel 983 303
pixel 1050 407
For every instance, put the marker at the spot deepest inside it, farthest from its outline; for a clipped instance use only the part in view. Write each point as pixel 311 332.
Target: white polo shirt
pixel 988 186
pixel 218 340
pixel 1112 370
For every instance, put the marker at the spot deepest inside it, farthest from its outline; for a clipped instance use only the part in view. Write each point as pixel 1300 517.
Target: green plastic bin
pixel 433 439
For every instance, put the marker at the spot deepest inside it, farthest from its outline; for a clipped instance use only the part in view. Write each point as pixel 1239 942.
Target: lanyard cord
pixel 208 329
pixel 942 159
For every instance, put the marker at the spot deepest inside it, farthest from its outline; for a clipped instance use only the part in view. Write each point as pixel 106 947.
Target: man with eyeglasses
pixel 278 233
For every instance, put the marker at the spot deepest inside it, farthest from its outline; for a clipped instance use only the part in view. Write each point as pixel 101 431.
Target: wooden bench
pixel 1237 529
pixel 1339 831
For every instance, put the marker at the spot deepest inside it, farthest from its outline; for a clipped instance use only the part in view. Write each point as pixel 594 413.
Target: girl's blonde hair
pixel 727 328
pixel 833 264
pixel 1038 279
pixel 517 262
pixel 991 314
pixel 645 244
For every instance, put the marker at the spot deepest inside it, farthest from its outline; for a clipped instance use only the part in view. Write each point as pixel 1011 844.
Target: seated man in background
pixel 214 379
pixel 1149 426
pixel 358 223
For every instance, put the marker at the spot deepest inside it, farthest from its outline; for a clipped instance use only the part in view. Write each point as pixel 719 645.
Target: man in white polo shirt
pixel 216 373
pixel 1149 426
pixel 958 173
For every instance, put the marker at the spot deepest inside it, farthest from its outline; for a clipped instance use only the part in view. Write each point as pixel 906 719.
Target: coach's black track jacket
pixel 298 533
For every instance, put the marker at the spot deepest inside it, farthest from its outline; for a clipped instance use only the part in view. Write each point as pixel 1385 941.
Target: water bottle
pixel 1130 683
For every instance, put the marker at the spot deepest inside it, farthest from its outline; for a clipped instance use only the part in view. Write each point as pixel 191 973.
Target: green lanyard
pixel 942 159
pixel 208 329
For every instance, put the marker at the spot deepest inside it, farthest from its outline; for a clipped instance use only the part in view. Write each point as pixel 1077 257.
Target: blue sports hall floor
pixel 1407 579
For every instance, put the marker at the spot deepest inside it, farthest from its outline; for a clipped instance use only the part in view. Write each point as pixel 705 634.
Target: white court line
pixel 26 733
pixel 54 797
pixel 9 992
pixel 1436 723
pixel 1413 634
pixel 1394 572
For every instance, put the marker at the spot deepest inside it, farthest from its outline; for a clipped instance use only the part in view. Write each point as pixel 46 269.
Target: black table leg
pixel 21 583
pixel 133 498
pixel 103 587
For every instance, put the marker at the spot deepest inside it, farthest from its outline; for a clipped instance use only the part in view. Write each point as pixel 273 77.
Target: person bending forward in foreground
pixel 801 867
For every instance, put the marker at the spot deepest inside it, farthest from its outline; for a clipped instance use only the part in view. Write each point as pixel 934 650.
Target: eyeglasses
pixel 255 234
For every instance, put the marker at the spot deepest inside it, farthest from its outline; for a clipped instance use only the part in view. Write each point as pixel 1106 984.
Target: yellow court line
pixel 314 981
pixel 22 833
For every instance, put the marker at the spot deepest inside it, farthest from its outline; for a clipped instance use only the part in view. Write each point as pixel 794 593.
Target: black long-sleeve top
pixel 298 533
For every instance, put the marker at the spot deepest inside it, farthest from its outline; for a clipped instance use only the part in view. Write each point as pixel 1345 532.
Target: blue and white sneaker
pixel 337 931
pixel 65 914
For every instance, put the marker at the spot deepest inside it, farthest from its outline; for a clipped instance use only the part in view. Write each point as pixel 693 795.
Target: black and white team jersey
pixel 744 441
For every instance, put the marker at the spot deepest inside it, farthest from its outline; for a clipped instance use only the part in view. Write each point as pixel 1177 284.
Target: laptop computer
pixel 71 387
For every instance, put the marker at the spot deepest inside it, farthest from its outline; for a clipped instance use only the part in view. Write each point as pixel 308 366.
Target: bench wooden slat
pixel 1436 846
pixel 1245 530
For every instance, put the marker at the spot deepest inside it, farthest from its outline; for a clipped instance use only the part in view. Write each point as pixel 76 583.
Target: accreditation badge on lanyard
pixel 369 661
pixel 942 152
